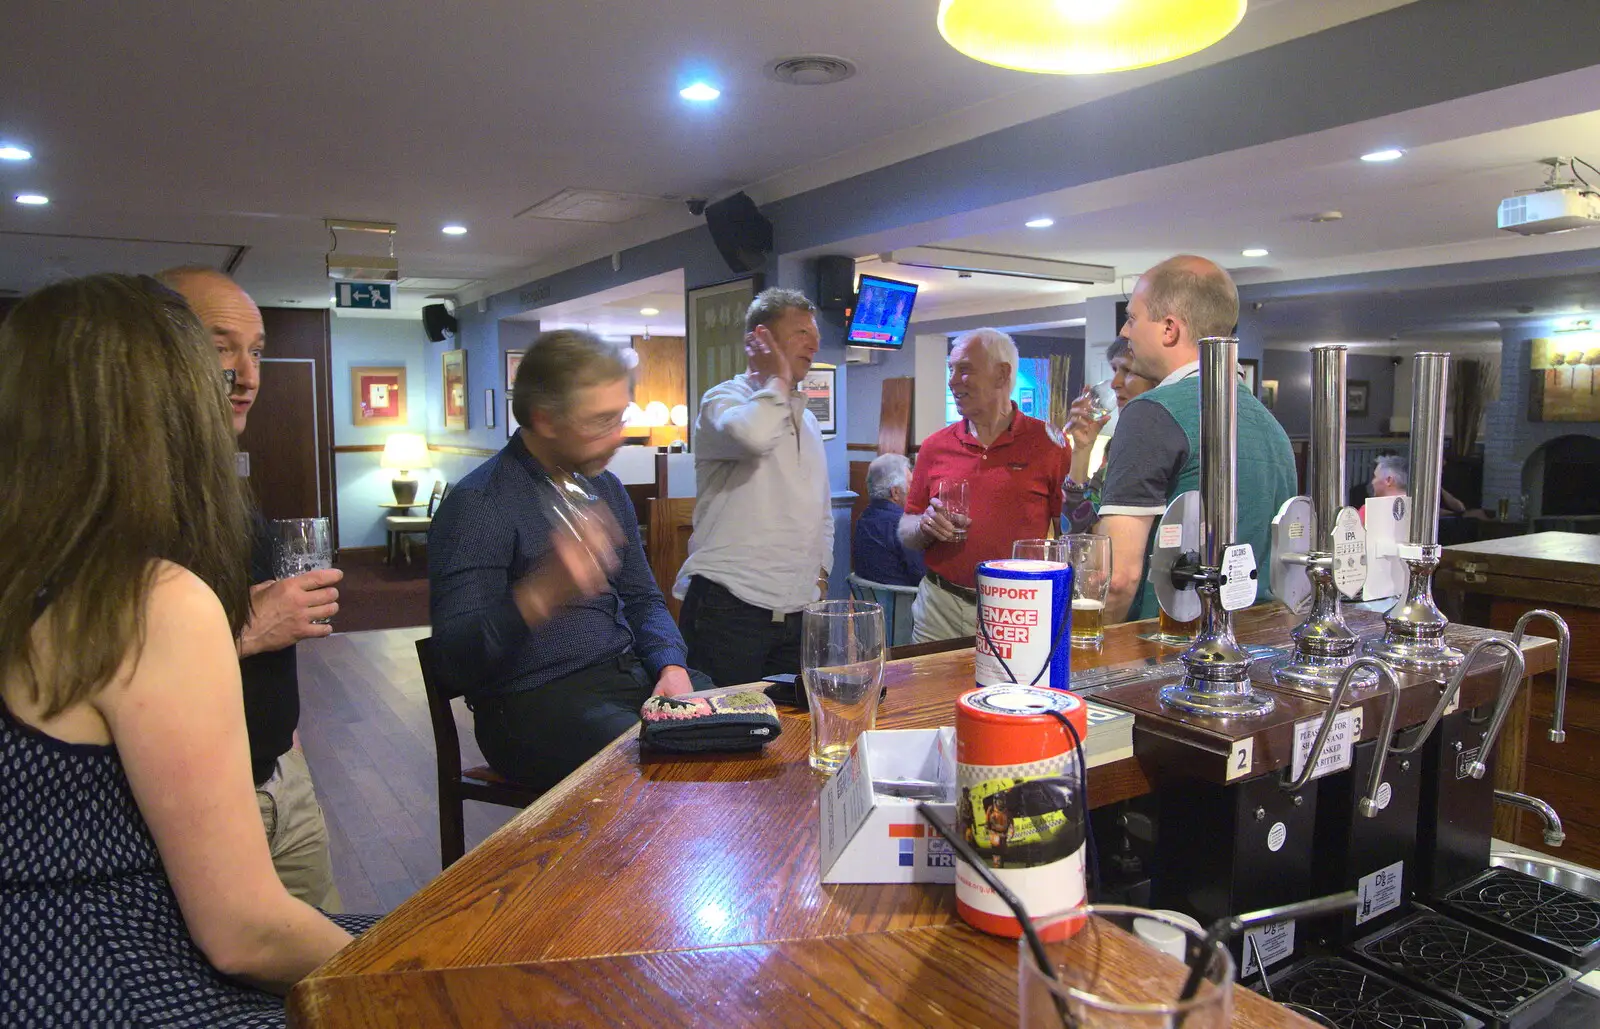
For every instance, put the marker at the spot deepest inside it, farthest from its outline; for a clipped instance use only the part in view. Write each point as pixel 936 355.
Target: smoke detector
pixel 810 70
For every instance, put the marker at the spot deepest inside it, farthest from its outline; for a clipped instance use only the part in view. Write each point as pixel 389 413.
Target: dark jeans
pixel 539 736
pixel 734 642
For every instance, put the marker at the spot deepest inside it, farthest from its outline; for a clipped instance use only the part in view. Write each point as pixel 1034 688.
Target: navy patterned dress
pixel 90 930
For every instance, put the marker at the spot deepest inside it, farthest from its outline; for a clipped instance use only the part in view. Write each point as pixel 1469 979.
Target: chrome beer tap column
pixel 1414 637
pixel 1217 670
pixel 1324 646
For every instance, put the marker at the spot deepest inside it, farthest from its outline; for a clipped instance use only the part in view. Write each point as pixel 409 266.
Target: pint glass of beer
pixel 1090 558
pixel 1173 633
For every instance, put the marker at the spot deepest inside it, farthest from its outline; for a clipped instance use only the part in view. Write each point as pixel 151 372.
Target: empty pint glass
pixel 953 498
pixel 841 660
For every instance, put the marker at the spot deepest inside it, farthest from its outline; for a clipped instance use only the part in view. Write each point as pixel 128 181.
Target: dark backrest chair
pixel 455 783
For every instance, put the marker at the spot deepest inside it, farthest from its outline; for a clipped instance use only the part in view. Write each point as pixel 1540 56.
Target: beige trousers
pixel 296 832
pixel 937 614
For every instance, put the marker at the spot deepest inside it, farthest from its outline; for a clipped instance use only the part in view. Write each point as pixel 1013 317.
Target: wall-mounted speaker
pixel 438 323
pixel 836 282
pixel 740 231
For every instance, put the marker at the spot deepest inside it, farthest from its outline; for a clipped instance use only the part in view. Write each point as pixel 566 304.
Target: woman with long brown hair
pixel 135 882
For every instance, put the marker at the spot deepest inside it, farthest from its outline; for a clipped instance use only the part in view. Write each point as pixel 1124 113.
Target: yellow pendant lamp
pixel 1080 37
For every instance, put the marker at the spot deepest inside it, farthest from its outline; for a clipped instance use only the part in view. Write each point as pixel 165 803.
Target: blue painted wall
pixel 363 484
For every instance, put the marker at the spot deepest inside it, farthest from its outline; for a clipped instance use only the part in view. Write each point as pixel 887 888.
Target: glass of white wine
pixel 841 660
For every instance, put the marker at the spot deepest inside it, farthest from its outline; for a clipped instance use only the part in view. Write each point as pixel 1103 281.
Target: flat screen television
pixel 882 313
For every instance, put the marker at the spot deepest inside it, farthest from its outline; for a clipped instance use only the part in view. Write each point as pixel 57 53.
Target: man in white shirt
pixel 763 527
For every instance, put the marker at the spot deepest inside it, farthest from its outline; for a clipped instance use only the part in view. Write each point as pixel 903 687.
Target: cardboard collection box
pixel 871 837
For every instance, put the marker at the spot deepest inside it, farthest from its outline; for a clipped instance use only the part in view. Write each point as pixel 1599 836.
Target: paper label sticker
pixel 1336 754
pixel 1271 945
pixel 1241 758
pixel 1171 535
pixel 1297 530
pixel 1385 794
pixel 1277 836
pixel 1239 577
pixel 1349 553
pixel 1380 892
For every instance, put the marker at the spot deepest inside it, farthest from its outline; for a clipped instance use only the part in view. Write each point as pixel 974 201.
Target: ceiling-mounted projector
pixel 1550 210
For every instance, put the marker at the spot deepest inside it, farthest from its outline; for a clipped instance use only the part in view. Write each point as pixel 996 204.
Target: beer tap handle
pixel 1510 680
pixel 1391 688
pixel 1558 717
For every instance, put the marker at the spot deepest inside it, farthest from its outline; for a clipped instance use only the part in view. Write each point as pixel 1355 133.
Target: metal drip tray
pixel 1335 992
pixel 1506 986
pixel 1547 919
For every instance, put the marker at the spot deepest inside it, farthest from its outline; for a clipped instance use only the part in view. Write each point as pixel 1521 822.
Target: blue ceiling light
pixel 1039 223
pixel 1379 156
pixel 32 199
pixel 12 152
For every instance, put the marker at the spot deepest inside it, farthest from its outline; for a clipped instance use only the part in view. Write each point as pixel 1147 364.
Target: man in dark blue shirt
pixel 876 553
pixel 546 616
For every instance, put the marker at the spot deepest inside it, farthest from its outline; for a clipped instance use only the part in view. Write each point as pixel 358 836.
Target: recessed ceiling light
pixel 454 230
pixel 1040 223
pixel 1378 156
pixel 1255 252
pixel 700 92
pixel 649 312
pixel 9 152
pixel 33 199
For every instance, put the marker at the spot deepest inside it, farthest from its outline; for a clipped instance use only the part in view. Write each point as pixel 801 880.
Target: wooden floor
pixel 364 726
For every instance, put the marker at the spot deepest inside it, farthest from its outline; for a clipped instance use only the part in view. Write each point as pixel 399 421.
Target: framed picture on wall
pixel 511 419
pixel 488 409
pixel 1250 374
pixel 819 387
pixel 1269 393
pixel 714 315
pixel 455 389
pixel 513 359
pixel 1356 392
pixel 378 397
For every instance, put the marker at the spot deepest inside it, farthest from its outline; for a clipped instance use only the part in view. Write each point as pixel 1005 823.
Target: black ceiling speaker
pixel 740 231
pixel 438 323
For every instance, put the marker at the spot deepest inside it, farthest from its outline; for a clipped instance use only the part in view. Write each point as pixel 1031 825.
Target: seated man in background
pixel 551 624
pixel 1091 437
pixel 876 553
pixel 1013 471
pixel 1391 478
pixel 1155 454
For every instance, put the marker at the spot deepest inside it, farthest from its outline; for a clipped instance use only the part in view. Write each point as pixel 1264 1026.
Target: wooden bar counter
pixel 1493 583
pixel 637 858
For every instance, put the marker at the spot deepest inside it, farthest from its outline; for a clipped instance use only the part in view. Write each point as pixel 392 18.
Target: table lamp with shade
pixel 404 451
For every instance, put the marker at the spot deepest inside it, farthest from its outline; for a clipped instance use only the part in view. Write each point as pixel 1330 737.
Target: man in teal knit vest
pixel 1155 454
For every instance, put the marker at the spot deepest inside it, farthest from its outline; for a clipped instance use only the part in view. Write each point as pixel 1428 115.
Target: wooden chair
pixel 455 783
pixel 400 528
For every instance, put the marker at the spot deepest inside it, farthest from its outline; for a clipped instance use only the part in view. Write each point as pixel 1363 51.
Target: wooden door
pixel 281 439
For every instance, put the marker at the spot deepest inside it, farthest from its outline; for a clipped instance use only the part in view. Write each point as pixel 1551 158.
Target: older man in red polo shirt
pixel 1013 470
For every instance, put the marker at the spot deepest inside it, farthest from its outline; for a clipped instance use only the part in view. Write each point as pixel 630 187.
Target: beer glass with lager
pixel 1090 557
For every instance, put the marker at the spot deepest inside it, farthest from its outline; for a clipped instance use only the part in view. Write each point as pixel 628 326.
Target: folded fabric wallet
pixel 730 718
